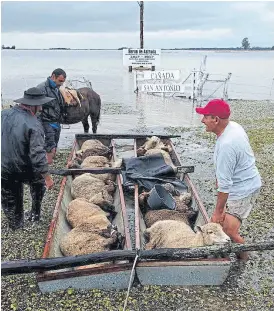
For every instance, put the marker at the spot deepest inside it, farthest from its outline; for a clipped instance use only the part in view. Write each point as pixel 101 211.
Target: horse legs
pixel 85 125
pixel 95 122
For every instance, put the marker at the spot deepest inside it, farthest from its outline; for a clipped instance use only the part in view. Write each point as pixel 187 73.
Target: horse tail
pixel 95 110
pixel 99 106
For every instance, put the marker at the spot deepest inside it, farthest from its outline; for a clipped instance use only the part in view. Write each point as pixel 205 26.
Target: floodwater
pixel 123 110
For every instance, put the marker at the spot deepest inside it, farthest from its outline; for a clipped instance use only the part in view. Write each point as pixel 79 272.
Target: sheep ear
pixel 199 228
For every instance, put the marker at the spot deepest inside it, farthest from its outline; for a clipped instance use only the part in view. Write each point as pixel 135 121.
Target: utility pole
pixel 141 5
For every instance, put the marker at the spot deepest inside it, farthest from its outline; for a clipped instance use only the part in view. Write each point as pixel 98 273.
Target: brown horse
pixel 80 104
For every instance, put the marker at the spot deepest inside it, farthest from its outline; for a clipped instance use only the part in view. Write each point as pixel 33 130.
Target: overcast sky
pixel 115 24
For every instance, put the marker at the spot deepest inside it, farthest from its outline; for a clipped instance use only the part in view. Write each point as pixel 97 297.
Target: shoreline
pixel 172 49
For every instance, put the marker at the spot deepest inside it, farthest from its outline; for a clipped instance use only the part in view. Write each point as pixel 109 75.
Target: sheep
pixel 182 200
pixel 95 161
pixel 153 142
pixel 177 234
pixel 80 211
pixel 165 154
pixel 94 190
pixel 104 200
pixel 86 186
pixel 85 239
pixel 95 145
pixel 151 217
pixel 96 152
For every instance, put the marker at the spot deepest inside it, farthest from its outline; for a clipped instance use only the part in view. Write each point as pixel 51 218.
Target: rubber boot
pixel 12 202
pixel 37 191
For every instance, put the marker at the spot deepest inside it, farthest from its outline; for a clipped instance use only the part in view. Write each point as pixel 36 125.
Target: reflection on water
pixel 149 114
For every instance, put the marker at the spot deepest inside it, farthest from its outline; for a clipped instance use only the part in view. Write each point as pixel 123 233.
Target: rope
pixel 130 282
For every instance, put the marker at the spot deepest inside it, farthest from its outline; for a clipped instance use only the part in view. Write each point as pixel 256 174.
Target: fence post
pixel 193 85
pixel 225 95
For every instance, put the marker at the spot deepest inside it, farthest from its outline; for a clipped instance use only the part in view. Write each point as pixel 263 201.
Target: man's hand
pixel 218 217
pixel 49 182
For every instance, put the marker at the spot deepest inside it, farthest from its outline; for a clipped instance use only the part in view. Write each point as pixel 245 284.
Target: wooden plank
pixel 122 136
pixel 123 203
pixel 192 189
pixel 76 171
pixel 57 208
pixel 35 265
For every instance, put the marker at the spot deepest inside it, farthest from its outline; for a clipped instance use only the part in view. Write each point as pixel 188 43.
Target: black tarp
pixel 149 170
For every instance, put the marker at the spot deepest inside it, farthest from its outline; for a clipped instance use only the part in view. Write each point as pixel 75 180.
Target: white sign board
pixel 162 88
pixel 140 57
pixel 162 75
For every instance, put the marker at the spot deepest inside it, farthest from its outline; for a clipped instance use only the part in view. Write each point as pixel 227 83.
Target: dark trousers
pixel 12 193
pixel 52 136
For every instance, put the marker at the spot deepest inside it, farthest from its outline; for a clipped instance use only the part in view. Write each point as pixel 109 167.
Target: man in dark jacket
pixel 52 112
pixel 23 157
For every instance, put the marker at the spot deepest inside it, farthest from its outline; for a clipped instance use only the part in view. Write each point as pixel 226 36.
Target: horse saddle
pixel 71 97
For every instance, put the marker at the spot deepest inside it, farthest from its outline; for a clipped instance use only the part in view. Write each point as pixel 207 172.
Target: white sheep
pixel 153 142
pixel 93 144
pixel 84 239
pixel 93 190
pixel 151 217
pixel 177 234
pixel 80 211
pixel 86 186
pixel 95 161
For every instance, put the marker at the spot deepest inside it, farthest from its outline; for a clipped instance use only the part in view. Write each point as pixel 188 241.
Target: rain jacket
pixel 22 143
pixel 51 111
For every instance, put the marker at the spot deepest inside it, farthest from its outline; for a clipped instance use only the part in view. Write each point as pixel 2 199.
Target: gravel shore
pixel 249 286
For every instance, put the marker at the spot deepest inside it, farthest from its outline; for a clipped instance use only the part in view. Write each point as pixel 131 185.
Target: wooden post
pixel 141 4
pixel 225 94
pixel 193 85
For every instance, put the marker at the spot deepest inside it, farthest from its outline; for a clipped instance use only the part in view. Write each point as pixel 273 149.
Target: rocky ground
pixel 248 287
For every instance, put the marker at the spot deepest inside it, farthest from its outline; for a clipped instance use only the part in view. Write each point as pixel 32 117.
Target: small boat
pixel 130 222
pixel 208 271
pixel 105 275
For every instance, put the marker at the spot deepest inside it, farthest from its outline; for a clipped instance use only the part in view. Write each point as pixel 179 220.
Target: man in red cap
pixel 238 179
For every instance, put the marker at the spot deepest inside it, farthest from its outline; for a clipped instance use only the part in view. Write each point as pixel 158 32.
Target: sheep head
pixel 213 233
pixel 151 142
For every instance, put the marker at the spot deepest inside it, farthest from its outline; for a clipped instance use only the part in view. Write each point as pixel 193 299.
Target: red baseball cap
pixel 215 107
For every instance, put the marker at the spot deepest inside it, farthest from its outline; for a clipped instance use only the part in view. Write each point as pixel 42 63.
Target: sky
pixel 114 24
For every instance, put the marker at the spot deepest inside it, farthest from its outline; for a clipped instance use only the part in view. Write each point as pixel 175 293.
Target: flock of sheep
pixel 172 228
pixel 91 211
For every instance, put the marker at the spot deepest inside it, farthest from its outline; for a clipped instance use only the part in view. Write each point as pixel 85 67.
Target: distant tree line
pixel 8 47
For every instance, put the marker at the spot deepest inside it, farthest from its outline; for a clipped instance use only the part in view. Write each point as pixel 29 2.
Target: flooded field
pixel 249 287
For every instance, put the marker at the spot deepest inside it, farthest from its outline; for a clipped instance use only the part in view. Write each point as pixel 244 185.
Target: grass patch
pixel 260 137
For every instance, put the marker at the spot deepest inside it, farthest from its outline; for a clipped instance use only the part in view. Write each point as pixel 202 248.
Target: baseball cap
pixel 215 107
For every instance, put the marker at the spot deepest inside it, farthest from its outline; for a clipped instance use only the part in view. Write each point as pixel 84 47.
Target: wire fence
pixel 237 88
